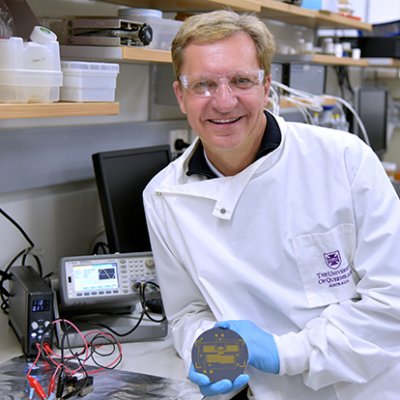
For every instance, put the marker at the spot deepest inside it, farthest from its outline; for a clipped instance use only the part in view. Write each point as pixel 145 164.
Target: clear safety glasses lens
pixel 237 82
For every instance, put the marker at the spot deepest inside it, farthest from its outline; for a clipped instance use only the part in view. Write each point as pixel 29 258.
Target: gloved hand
pixel 221 387
pixel 261 346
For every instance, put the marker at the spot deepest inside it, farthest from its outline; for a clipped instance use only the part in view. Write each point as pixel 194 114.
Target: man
pixel 286 233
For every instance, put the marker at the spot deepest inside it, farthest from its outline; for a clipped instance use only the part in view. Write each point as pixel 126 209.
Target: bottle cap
pixel 42 35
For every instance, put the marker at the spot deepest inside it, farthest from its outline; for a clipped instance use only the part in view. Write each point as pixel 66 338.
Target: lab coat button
pixel 222 211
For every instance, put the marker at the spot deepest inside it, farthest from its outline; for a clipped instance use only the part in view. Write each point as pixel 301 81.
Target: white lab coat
pixel 305 242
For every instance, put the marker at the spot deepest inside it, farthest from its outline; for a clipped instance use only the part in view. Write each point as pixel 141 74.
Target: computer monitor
pixel 121 176
pixel 372 104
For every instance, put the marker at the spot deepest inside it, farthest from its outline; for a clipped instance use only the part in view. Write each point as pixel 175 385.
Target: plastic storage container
pixel 30 72
pixel 88 81
pixel 164 30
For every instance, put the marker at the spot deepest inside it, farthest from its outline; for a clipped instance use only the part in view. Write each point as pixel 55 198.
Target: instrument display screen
pixel 96 276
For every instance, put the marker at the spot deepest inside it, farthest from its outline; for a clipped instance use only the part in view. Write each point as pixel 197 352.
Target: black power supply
pixel 31 309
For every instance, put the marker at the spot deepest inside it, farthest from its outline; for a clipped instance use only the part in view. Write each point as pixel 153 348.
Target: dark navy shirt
pixel 198 164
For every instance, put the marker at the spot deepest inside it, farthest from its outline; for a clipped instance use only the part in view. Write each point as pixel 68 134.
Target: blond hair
pixel 212 26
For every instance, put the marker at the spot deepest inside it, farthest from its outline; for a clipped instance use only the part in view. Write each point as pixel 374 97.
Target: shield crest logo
pixel 333 259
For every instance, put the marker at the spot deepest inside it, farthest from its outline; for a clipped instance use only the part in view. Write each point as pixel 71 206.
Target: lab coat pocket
pixel 325 261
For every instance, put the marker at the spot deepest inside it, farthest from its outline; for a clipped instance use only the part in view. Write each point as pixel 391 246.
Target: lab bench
pixel 154 359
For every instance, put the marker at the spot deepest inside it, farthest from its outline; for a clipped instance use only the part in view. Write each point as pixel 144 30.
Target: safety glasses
pixel 238 82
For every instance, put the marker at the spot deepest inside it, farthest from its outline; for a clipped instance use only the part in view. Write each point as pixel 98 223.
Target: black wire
pixel 101 248
pixel 142 292
pixel 83 386
pixel 11 263
pixel 349 86
pixel 4 293
pixel 65 343
pixel 38 264
pixel 36 258
pixel 142 314
pixel 26 251
pixel 18 227
pixel 66 328
pixel 142 298
pixel 95 351
pixel 102 338
pixel 5 276
pixel 340 78
pixel 343 78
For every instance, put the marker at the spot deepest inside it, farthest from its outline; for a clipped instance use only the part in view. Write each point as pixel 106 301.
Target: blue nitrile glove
pixel 261 346
pixel 221 387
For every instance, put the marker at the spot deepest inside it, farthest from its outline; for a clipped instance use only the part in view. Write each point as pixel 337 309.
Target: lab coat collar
pixel 225 191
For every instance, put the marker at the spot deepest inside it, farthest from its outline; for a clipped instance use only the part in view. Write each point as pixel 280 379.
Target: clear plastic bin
pixel 29 71
pixel 88 81
pixel 164 29
pixel 27 86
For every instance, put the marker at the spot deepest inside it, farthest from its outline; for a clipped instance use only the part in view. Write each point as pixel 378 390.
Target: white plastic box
pixel 88 81
pixel 30 72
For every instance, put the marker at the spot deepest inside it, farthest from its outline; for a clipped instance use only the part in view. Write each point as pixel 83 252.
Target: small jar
pixel 328 46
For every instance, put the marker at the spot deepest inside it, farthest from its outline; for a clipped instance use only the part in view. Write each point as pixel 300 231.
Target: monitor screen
pixel 372 103
pixel 121 177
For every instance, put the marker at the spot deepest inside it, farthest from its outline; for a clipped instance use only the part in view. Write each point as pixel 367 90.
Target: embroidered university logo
pixel 333 259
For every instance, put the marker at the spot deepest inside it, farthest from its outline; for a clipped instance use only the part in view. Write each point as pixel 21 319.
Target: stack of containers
pixel 88 81
pixel 30 72
pixel 164 30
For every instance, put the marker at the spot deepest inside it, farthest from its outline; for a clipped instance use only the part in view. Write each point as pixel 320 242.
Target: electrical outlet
pixel 178 134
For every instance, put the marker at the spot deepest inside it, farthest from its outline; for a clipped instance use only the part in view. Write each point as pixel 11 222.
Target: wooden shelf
pixel 332 60
pixel 326 19
pixel 384 62
pixel 146 55
pixel 55 110
pixel 139 54
pixel 286 102
pixel 272 9
pixel 191 5
pixel 321 59
pixel 115 53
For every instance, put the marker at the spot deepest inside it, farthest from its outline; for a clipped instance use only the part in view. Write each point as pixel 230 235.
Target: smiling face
pixel 228 122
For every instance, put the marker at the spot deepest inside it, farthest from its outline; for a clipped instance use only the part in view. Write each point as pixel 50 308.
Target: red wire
pixel 36 360
pixel 52 383
pixel 53 356
pixel 35 384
